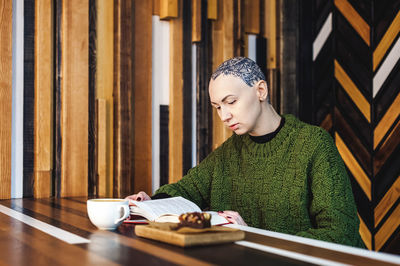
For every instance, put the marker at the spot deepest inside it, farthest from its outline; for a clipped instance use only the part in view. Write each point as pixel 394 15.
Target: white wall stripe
pixel 44 227
pixel 251 46
pixel 194 105
pixel 387 66
pixel 160 89
pixel 322 244
pixel 289 254
pixel 17 99
pixel 322 36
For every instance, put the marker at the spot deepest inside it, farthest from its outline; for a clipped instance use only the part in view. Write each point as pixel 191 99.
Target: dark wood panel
pixel 164 144
pixel 353 115
pixel 384 13
pixel 204 66
pixel 29 97
pixel 92 180
pixel 387 94
pixel 358 149
pixel 57 96
pixel 387 149
pixel 123 99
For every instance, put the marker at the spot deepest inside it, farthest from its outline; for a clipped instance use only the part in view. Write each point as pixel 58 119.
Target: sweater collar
pixel 270 147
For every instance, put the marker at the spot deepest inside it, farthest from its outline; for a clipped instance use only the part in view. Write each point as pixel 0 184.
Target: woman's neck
pixel 268 122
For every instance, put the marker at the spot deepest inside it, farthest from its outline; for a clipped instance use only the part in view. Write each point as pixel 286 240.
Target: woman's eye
pixel 232 102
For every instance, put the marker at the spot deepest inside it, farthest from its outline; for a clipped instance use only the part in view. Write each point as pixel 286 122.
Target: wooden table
pixel 58 232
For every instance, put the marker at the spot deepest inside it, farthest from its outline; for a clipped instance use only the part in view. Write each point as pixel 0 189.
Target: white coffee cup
pixel 107 214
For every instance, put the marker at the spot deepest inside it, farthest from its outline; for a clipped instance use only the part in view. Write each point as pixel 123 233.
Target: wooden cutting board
pixel 190 239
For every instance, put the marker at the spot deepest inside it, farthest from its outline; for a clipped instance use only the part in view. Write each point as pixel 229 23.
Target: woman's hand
pixel 141 196
pixel 233 217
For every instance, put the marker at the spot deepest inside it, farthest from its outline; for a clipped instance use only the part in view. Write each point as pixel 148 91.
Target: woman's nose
pixel 225 114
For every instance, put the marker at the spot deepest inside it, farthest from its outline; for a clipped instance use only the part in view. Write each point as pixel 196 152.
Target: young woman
pixel 275 172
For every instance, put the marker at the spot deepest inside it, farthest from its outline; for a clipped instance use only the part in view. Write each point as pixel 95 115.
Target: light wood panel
pixel 102 167
pixel 356 21
pixel 353 166
pixel 5 97
pixel 168 9
pixel 365 233
pixel 270 22
pixel 252 16
pixel 43 127
pixel 156 7
pixel 387 121
pixel 104 87
pixel 142 94
pixel 387 201
pixel 176 100
pixel 74 97
pixel 223 49
pixel 388 228
pixel 196 20
pixel 352 91
pixel 212 9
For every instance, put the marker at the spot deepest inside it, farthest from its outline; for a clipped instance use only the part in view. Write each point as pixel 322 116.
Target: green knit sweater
pixel 296 184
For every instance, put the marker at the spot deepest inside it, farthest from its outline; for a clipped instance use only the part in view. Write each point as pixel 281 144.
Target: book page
pixel 175 205
pixel 216 219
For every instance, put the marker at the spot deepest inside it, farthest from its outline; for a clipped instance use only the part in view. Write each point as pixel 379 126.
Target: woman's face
pixel 237 104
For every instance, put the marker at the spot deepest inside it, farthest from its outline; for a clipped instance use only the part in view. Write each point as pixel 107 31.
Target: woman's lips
pixel 234 126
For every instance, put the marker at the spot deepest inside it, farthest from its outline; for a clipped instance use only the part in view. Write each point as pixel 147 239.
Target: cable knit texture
pixel 296 184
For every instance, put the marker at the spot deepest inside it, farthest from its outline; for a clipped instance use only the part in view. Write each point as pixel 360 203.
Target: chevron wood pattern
pixel 356 54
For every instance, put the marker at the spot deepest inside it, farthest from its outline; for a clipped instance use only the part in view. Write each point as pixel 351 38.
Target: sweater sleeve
pixel 196 185
pixel 332 208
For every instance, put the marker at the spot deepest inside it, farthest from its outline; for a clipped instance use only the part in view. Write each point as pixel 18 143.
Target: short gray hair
pixel 241 67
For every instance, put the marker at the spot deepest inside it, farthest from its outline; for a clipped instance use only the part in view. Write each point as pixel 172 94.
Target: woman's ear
pixel 262 90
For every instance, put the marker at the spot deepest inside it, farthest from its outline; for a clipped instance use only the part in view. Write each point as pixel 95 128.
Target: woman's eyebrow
pixel 224 99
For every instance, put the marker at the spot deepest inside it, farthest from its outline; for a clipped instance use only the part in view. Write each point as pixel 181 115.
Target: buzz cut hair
pixel 241 67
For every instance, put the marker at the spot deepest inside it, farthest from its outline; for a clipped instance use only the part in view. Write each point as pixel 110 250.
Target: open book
pixel 168 210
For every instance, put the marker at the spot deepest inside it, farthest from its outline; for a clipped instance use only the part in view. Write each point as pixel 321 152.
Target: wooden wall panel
pixel 356 44
pixel 223 49
pixel 176 99
pixel 169 9
pixel 123 100
pixel 196 20
pixel 29 98
pixel 74 98
pixel 252 16
pixel 142 94
pixel 43 123
pixel 5 97
pixel 104 86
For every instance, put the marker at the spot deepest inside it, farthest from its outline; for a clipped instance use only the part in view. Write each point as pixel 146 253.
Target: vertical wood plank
pixel 74 97
pixel 176 101
pixel 270 22
pixel 92 152
pixel 187 87
pixel 168 9
pixel 156 7
pixel 43 124
pixel 29 97
pixel 204 50
pixel 212 9
pixel 223 49
pixel 196 20
pixel 104 83
pixel 123 100
pixel 142 94
pixel 252 16
pixel 6 97
pixel 101 141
